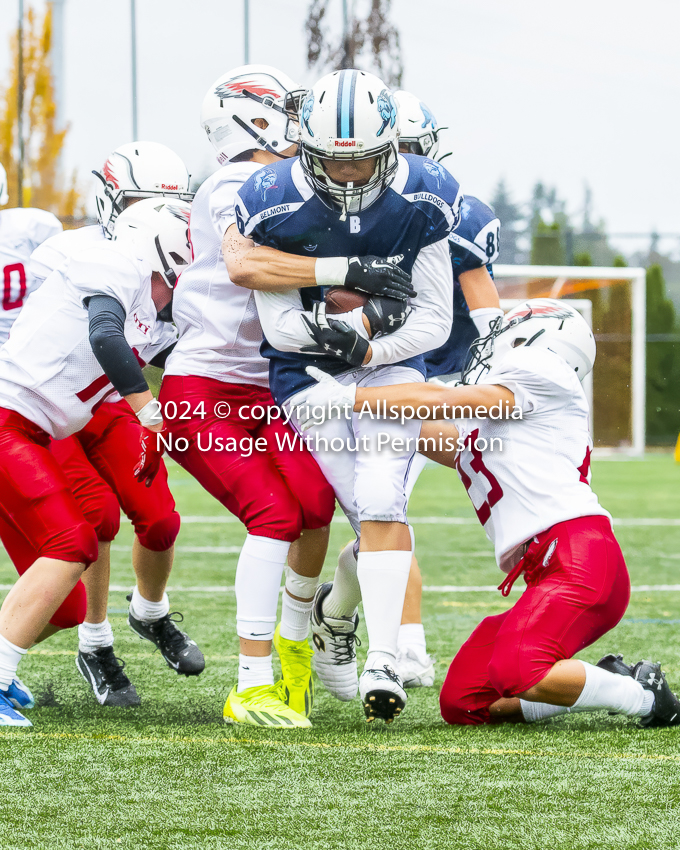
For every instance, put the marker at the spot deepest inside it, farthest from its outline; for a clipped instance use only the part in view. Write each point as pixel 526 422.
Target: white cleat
pixel 382 694
pixel 415 667
pixel 335 656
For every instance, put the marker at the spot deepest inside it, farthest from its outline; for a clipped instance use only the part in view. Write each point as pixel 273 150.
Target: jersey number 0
pixel 17 271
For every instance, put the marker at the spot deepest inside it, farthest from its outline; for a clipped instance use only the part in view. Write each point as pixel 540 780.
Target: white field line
pixel 441 520
pixel 431 588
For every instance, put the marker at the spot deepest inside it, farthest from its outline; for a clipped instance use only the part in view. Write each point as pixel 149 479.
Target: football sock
pixel 254 671
pixel 412 634
pixel 383 577
pixel 10 656
pixel 295 617
pixel 611 691
pixel 146 611
pixel 602 691
pixel 345 595
pixel 94 636
pixel 258 581
pixel 534 711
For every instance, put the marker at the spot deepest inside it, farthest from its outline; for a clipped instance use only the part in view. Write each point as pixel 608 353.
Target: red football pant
pixel 580 595
pixel 99 462
pixel 275 492
pixel 39 516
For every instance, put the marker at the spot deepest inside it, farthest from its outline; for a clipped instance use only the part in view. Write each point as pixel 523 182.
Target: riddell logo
pixel 345 143
pixel 174 187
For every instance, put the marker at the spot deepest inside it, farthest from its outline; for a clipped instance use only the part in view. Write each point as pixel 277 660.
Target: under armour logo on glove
pixel 335 338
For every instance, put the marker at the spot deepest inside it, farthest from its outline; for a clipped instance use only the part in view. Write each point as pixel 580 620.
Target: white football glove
pixel 327 399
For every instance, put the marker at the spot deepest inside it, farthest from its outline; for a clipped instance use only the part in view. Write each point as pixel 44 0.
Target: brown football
pixel 341 300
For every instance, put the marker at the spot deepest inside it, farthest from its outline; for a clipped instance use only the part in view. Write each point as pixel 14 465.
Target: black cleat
pixel 104 673
pixel 179 651
pixel 382 694
pixel 615 664
pixel 666 711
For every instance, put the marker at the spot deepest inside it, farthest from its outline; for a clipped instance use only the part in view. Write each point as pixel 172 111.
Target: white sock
pixel 94 636
pixel 10 656
pixel 534 711
pixel 295 617
pixel 258 581
pixel 383 577
pixel 146 611
pixel 345 595
pixel 254 671
pixel 613 692
pixel 411 634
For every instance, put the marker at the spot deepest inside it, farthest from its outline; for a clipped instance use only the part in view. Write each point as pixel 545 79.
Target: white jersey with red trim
pixel 48 371
pixel 219 329
pixel 21 231
pixel 54 252
pixel 537 472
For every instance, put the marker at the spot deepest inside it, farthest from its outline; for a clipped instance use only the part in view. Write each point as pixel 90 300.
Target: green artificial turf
pixel 171 774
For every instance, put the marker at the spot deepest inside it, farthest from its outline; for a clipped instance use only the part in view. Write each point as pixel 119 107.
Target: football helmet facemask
pixel 540 323
pixel 138 170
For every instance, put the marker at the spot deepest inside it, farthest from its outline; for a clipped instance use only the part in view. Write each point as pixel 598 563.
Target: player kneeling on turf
pixel 531 493
pixel 70 348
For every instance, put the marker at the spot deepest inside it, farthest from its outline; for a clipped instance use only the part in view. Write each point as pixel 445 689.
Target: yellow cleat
pixel 296 669
pixel 263 705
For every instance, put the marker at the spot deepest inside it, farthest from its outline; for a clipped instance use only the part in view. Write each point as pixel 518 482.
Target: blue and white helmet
pixel 419 133
pixel 4 194
pixel 349 115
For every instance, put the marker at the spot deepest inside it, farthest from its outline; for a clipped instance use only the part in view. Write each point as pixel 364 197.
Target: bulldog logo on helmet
pixel 428 116
pixel 387 109
pixel 307 107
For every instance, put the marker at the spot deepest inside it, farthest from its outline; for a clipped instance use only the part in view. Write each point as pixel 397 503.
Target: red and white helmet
pixel 157 231
pixel 539 323
pixel 242 95
pixel 349 115
pixel 4 194
pixel 138 170
pixel 419 130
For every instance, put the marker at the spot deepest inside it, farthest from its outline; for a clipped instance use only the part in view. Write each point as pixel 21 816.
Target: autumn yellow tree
pixel 44 185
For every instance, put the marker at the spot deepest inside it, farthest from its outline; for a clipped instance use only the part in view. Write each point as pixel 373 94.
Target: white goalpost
pixel 612 300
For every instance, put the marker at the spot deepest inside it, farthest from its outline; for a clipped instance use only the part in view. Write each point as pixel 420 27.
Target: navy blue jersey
pixel 276 207
pixel 473 244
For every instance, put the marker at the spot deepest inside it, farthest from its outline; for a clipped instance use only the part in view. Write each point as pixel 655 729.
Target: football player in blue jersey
pixel 351 193
pixel 473 247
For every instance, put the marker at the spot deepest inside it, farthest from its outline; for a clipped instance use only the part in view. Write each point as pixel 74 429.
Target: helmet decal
pixel 435 170
pixel 264 181
pixel 182 213
pixel 387 109
pixel 109 175
pixel 307 107
pixel 238 87
pixel 428 116
pixel 522 313
pixel 346 91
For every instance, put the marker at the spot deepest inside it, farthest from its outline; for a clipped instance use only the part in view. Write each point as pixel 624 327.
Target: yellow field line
pixel 379 748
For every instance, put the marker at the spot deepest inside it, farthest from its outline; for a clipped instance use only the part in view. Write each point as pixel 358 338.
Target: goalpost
pixel 613 301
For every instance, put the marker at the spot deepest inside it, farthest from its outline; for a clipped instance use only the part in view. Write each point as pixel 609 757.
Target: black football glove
pixel 378 276
pixel 385 315
pixel 334 338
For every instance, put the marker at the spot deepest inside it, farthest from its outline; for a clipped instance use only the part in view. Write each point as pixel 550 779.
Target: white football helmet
pixel 4 195
pixel 419 130
pixel 540 323
pixel 240 96
pixel 138 170
pixel 349 115
pixel 157 230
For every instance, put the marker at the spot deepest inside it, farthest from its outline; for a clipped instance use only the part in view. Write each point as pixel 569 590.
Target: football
pixel 341 300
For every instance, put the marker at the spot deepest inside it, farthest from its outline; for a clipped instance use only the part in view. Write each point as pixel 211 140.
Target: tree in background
pixel 663 362
pixel 513 224
pixel 43 183
pixel 371 43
